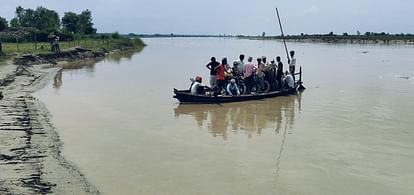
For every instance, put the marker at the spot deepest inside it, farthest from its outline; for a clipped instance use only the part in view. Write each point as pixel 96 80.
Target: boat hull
pixel 184 96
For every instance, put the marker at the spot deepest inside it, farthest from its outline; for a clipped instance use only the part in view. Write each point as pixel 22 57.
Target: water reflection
pixel 88 65
pixel 250 118
pixel 57 80
pixel 117 57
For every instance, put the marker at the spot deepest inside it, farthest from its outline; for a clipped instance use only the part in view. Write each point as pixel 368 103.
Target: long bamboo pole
pixel 281 30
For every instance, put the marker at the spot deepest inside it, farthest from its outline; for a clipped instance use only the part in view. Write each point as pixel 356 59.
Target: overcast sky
pixel 234 16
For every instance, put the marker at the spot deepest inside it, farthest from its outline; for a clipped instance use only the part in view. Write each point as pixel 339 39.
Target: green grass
pixel 10 49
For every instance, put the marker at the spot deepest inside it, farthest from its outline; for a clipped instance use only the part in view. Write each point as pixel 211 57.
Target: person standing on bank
pixel 292 63
pixel 212 66
pixel 279 74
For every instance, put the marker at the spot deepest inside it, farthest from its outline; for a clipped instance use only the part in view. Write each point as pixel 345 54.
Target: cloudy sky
pixel 234 16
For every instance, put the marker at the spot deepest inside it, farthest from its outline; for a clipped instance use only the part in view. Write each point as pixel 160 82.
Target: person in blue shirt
pixel 232 88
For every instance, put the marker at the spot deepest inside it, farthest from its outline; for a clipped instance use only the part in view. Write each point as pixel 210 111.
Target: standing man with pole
pixel 281 30
pixel 291 59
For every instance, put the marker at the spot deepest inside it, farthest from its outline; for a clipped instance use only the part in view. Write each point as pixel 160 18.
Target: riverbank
pixel 30 160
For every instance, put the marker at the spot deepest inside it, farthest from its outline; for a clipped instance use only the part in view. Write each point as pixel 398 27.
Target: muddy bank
pixel 53 58
pixel 30 161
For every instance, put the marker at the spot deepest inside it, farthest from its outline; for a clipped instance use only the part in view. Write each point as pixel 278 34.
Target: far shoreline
pixel 379 38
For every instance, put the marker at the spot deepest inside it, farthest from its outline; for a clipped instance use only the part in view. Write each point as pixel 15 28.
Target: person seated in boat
pixel 289 82
pixel 232 88
pixel 197 88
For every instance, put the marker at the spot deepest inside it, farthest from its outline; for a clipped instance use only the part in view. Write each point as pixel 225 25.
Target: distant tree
pixel 26 17
pixel 42 18
pixel 301 34
pixel 85 22
pixel 78 23
pixel 358 33
pixel 367 33
pixel 14 23
pixel 3 24
pixel 345 34
pixel 47 20
pixel 263 34
pixel 70 22
pixel 331 34
pixel 115 35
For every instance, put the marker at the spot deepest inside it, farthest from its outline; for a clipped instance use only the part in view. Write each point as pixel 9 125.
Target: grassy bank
pixel 14 49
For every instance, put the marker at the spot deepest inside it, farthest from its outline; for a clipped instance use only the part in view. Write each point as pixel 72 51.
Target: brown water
pixel 350 132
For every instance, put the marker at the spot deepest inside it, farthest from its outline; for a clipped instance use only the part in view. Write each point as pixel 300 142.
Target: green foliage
pixel 43 19
pixel 14 23
pixel 3 24
pixel 79 23
pixel 48 20
pixel 66 36
pixel 96 44
pixel 70 22
pixel 115 35
pixel 85 21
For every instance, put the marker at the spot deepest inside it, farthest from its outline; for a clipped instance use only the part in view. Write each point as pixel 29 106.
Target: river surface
pixel 350 132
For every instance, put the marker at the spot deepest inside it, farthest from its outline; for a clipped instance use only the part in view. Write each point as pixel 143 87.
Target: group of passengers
pixel 226 77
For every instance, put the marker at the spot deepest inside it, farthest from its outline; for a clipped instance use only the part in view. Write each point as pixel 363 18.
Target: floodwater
pixel 349 132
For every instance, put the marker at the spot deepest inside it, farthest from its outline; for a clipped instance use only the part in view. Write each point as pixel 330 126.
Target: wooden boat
pixel 185 96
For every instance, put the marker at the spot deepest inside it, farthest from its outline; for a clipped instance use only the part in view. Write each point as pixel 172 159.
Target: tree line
pixel 39 24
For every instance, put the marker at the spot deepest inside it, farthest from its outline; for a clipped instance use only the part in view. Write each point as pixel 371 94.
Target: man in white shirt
pixel 289 82
pixel 197 88
pixel 240 64
pixel 292 63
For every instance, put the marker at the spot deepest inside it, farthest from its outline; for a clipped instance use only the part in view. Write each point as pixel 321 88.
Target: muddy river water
pixel 350 132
